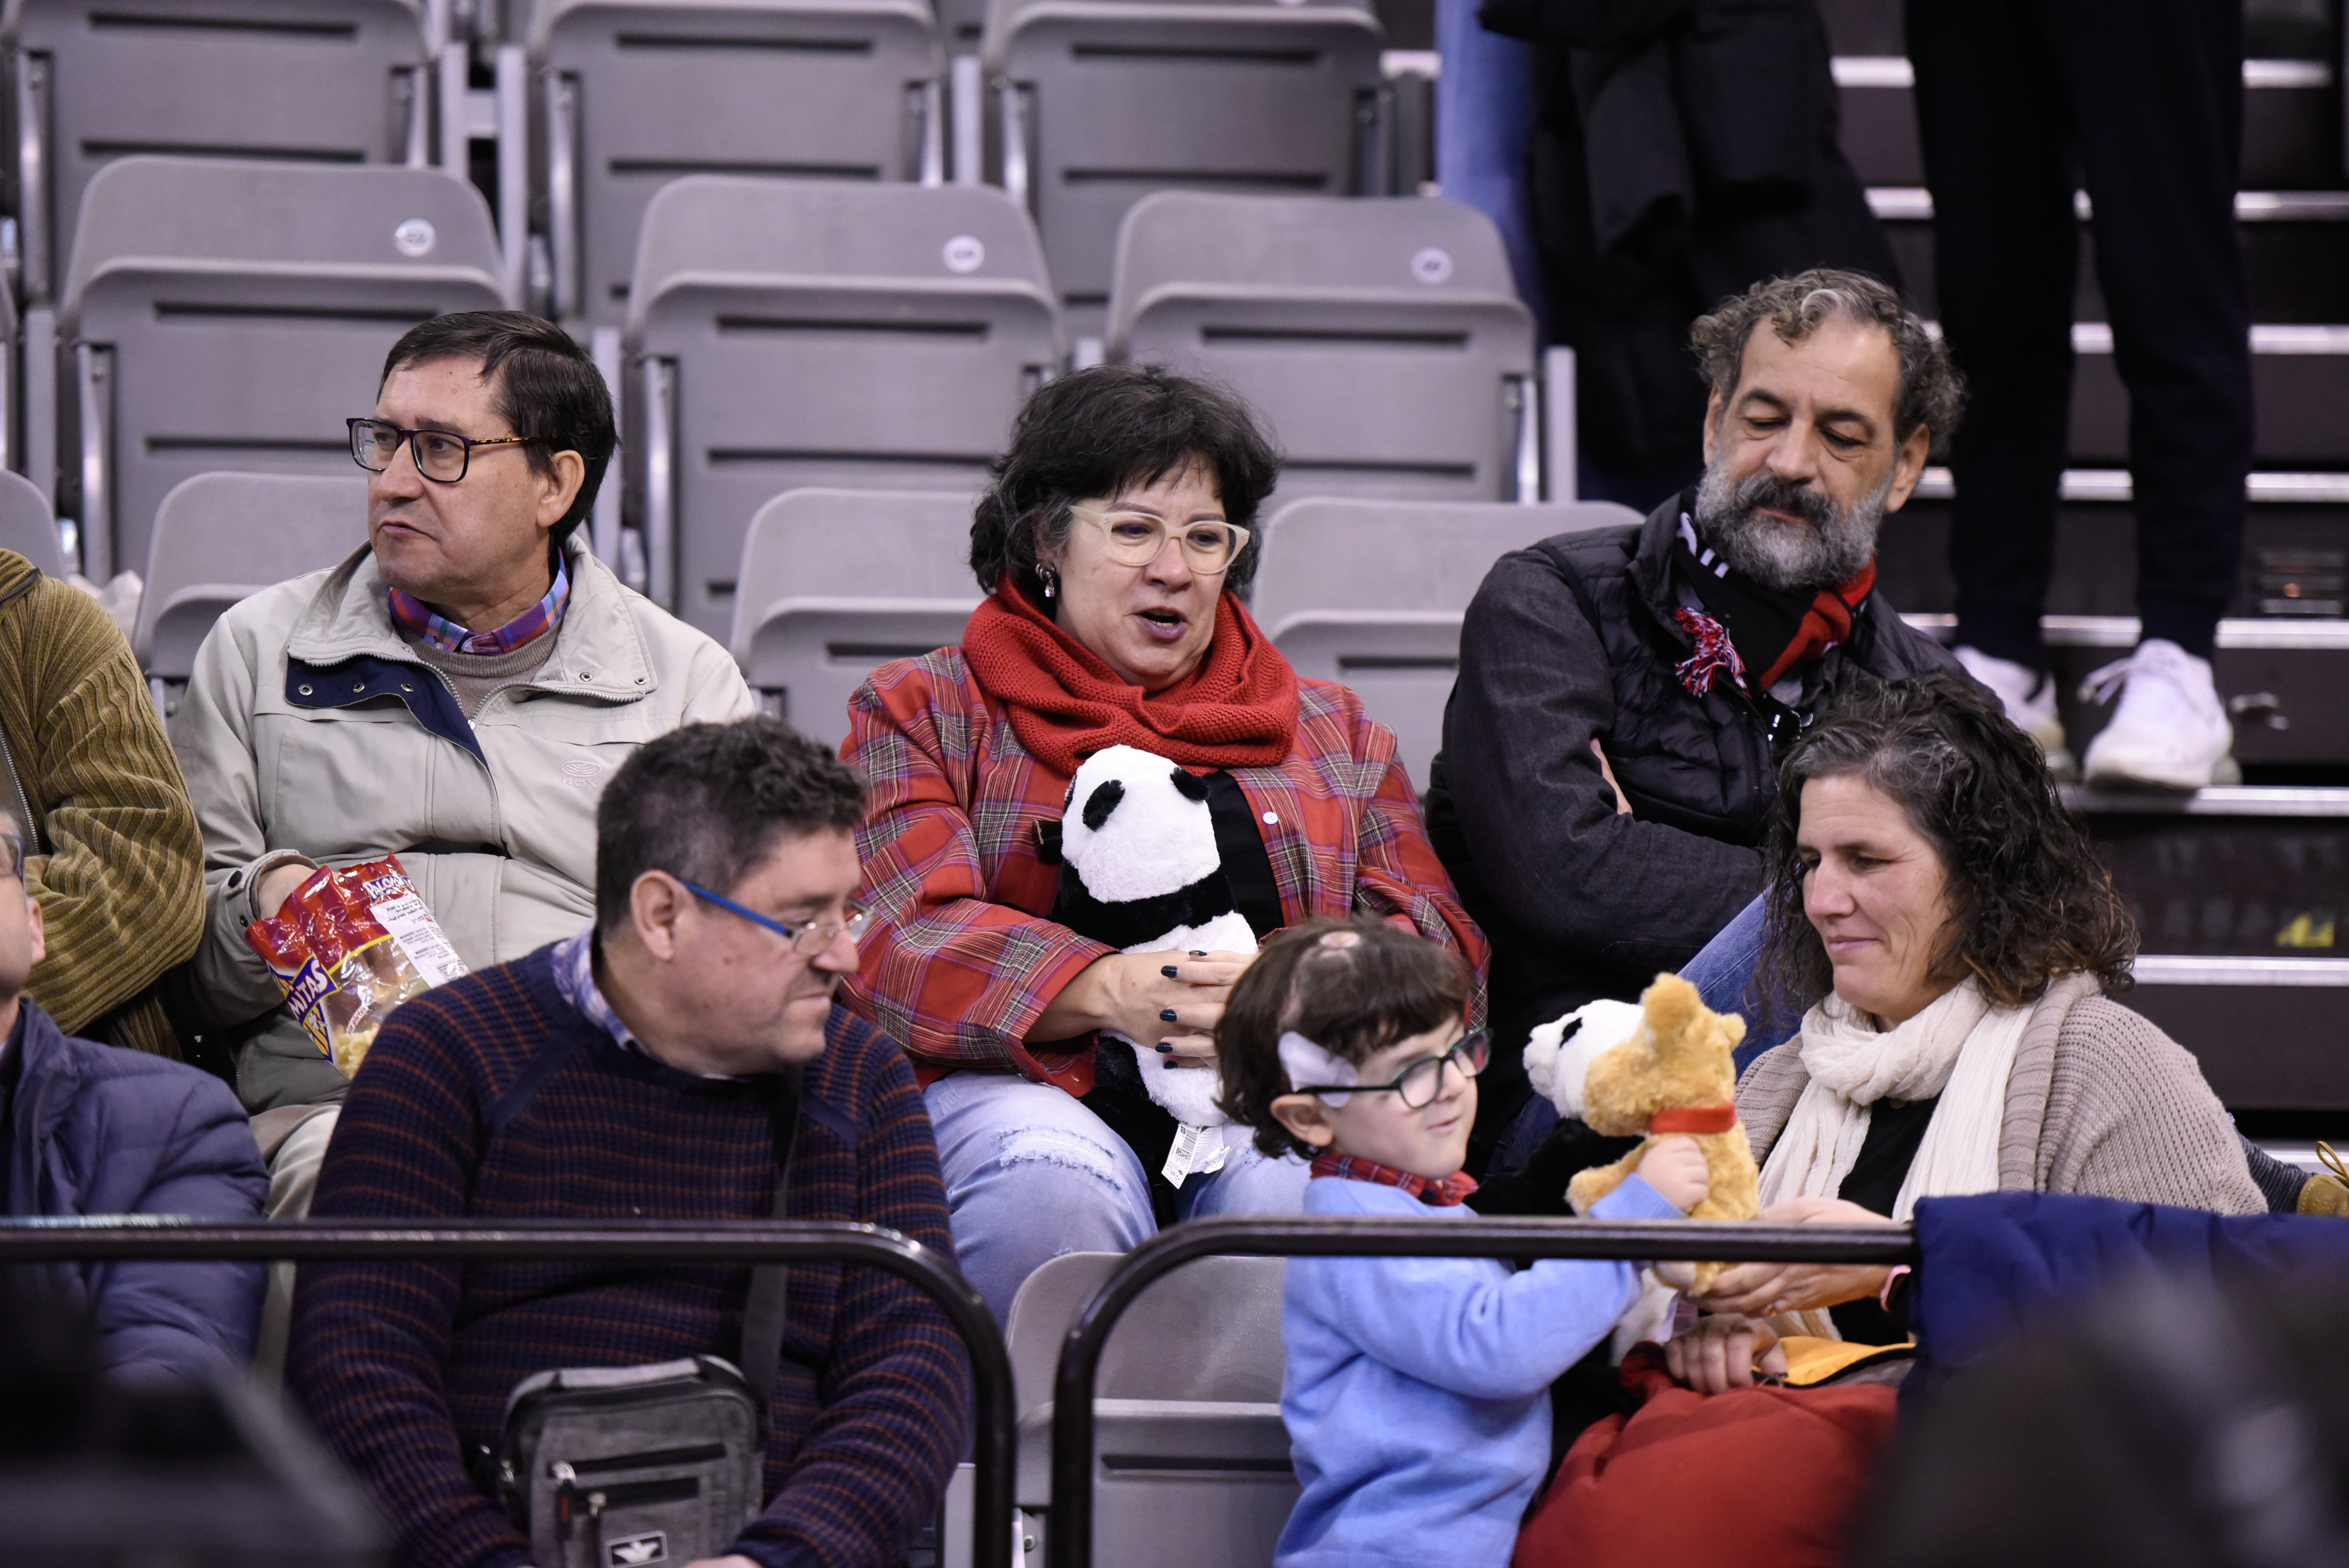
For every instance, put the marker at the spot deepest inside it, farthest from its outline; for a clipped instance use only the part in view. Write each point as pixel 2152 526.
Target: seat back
pixel 1193 1460
pixel 223 537
pixel 827 89
pixel 808 624
pixel 27 526
pixel 300 82
pixel 1098 103
pixel 790 333
pixel 1372 593
pixel 1382 339
pixel 233 315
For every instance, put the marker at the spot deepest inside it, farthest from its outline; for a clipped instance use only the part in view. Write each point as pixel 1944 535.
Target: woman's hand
pixel 1170 1000
pixel 1723 1352
pixel 1675 1167
pixel 1764 1289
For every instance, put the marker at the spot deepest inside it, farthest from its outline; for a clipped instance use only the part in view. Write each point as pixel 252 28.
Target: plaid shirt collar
pixel 575 978
pixel 417 619
pixel 1447 1194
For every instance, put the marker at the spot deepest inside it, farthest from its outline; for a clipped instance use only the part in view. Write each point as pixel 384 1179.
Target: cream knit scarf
pixel 1960 1049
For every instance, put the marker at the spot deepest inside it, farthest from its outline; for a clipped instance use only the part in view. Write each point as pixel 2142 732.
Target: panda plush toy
pixel 1140 870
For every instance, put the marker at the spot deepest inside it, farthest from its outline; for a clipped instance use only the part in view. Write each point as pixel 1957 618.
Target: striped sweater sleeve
pixel 120 889
pixel 897 1395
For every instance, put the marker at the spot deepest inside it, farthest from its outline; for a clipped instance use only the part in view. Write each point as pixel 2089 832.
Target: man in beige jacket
pixel 457 694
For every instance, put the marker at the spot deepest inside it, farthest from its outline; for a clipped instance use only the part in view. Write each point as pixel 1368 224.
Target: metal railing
pixel 1069 1538
pixel 649 1241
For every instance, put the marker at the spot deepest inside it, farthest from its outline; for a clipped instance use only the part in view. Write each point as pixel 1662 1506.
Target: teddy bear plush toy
pixel 1140 870
pixel 1661 1068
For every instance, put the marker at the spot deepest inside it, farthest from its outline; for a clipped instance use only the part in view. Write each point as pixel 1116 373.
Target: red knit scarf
pixel 1237 709
pixel 1448 1193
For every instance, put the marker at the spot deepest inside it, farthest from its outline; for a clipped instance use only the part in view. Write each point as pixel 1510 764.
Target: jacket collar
pixel 48 1081
pixel 599 650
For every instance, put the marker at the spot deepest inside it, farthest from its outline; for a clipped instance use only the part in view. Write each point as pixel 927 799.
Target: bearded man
pixel 1625 694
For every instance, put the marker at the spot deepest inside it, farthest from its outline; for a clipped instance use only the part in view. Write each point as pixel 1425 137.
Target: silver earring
pixel 1046 574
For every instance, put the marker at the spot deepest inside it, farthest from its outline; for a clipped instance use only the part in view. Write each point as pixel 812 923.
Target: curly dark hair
pixel 2029 902
pixel 1353 1000
pixel 1099 430
pixel 1931 392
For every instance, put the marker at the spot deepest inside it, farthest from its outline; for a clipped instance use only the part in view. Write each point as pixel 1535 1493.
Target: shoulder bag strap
pixel 762 1310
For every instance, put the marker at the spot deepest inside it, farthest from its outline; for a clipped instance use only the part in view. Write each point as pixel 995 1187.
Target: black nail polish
pixel 1168 970
pixel 1164 1049
pixel 1166 1014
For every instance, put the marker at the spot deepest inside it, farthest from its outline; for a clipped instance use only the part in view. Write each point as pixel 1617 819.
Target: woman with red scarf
pixel 1120 531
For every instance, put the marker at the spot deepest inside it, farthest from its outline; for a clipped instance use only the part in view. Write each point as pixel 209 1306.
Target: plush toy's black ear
pixel 1189 785
pixel 1101 802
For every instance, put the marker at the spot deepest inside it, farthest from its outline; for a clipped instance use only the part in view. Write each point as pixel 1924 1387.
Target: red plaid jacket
pixel 961 962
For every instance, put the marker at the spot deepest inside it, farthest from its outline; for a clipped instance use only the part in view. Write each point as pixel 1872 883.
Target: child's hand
pixel 1676 1167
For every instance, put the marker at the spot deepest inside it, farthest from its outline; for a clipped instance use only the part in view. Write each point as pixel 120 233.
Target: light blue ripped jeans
pixel 1032 1175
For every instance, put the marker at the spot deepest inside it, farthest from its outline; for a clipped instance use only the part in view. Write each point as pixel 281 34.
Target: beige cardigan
pixel 2100 1101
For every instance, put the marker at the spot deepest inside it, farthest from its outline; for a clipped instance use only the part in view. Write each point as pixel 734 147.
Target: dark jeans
pixel 2141 103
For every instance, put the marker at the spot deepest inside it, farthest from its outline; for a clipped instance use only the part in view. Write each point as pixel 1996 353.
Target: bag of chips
pixel 350 945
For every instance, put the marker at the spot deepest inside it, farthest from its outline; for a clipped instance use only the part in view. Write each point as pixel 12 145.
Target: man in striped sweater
pixel 628 1073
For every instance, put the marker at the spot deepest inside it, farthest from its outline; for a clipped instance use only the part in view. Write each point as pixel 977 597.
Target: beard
pixel 1826 548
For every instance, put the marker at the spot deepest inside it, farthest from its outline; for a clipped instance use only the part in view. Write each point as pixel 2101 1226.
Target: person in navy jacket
pixel 86 1128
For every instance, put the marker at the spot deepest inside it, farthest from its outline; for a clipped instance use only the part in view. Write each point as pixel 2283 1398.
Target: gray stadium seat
pixel 790 333
pixel 1193 1460
pixel 1098 103
pixel 228 314
pixel 1372 593
pixel 223 537
pixel 1382 339
pixel 295 81
pixel 636 93
pixel 27 526
pixel 809 622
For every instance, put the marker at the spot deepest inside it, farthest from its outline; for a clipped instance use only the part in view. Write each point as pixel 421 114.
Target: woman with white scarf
pixel 1948 913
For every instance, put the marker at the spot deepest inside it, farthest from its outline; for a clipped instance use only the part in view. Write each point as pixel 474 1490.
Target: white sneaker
pixel 2029 697
pixel 2170 730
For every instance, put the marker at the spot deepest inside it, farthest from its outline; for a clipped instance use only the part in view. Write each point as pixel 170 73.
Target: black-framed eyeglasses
pixel 441 455
pixel 1422 1083
pixel 808 940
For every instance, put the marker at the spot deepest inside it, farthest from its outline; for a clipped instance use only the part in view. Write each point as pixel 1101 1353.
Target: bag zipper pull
pixel 566 1492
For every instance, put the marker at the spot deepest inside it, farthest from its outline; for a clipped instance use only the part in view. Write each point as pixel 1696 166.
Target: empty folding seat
pixel 638 93
pixel 228 314
pixel 1192 1460
pixel 797 333
pixel 1372 593
pixel 1383 340
pixel 296 81
pixel 223 536
pixel 834 581
pixel 26 525
pixel 1098 103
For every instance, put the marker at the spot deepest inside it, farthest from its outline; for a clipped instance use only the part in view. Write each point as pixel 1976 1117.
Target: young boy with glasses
pixel 1417 1389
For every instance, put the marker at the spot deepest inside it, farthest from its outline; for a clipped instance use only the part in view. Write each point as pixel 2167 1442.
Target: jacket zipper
pixel 23 801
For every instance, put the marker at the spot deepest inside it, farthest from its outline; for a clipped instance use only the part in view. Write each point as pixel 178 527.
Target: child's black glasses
pixel 1422 1083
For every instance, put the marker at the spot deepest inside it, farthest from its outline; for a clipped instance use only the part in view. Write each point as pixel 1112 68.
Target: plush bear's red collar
pixel 1693 1119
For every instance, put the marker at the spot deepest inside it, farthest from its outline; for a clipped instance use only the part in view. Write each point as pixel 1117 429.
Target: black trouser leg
pixel 2156 95
pixel 2006 254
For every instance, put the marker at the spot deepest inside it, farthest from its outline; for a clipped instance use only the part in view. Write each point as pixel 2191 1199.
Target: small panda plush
pixel 1140 870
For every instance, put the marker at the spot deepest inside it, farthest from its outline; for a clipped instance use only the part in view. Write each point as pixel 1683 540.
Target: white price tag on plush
pixel 1197 1150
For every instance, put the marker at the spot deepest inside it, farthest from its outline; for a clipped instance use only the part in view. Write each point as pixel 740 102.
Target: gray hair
pixel 1931 392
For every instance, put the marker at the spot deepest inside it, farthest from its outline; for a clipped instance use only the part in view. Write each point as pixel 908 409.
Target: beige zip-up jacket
pixel 311 732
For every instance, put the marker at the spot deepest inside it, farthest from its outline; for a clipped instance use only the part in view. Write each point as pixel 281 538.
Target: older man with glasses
pixel 684 1059
pixel 456 693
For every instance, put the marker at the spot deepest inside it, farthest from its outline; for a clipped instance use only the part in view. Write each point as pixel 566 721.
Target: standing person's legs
pixel 2006 260
pixel 1030 1174
pixel 2157 89
pixel 1483 119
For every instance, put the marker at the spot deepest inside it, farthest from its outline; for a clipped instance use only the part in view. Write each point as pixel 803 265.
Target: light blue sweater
pixel 1417 1393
